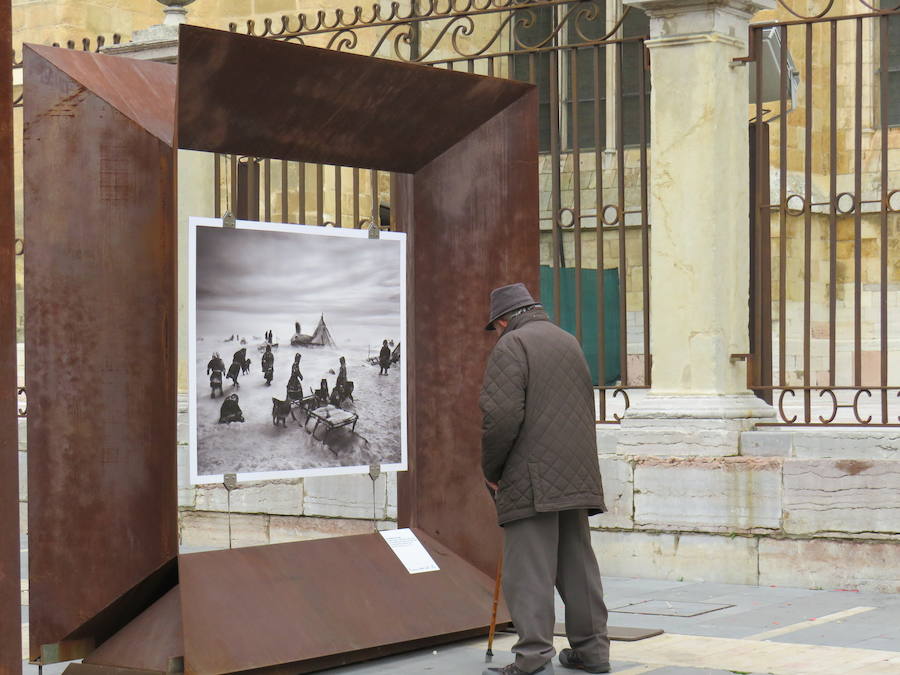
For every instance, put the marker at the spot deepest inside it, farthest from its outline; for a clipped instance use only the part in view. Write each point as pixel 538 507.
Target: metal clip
pixel 230 483
pixel 374 231
pixel 228 219
pixel 374 470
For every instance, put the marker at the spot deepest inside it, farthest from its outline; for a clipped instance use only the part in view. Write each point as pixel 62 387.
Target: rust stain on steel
pixel 100 319
pixel 149 642
pixel 143 91
pixel 10 585
pixel 332 107
pixel 488 229
pixel 331 601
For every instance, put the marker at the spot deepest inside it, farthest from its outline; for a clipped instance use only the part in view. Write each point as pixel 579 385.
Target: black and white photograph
pixel 296 350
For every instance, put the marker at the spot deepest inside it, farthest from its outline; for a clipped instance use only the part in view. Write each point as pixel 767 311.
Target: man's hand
pixel 491 485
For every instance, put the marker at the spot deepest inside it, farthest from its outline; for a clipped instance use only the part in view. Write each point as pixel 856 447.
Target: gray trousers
pixel 547 550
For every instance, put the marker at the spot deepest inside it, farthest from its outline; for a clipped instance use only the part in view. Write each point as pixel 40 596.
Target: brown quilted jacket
pixel 539 439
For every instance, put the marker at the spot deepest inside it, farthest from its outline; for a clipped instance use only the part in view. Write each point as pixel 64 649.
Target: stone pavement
pixel 742 629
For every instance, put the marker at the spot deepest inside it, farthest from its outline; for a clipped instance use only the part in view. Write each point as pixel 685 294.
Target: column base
pixel 690 425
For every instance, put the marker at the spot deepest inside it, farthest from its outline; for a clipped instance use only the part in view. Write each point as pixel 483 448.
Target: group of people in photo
pixel 338 396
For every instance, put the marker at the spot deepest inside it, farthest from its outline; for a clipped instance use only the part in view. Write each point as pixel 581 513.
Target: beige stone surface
pixel 688 557
pixel 751 656
pixel 708 494
pixel 820 563
pixel 283 528
pixel 618 492
pixel 272 497
pixel 345 497
pixel 841 496
pixel 210 529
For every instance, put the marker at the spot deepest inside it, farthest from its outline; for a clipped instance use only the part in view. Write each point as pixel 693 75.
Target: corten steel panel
pixel 325 106
pixel 100 320
pixel 149 642
pixel 323 602
pixel 143 91
pixel 470 235
pixel 10 586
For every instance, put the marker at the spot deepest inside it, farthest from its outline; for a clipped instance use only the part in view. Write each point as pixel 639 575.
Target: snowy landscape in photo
pixel 322 294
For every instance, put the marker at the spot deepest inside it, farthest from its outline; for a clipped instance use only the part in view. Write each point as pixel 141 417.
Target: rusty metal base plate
pixel 616 633
pixel 309 605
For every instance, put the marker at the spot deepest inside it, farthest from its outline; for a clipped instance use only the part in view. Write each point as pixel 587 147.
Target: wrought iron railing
pixel 826 269
pixel 592 72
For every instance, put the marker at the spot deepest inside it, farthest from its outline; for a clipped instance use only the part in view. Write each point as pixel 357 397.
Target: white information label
pixel 409 550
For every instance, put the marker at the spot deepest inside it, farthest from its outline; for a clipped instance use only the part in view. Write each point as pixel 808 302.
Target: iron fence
pixel 592 73
pixel 826 248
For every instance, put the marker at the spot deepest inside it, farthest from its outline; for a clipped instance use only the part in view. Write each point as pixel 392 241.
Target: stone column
pixel 699 253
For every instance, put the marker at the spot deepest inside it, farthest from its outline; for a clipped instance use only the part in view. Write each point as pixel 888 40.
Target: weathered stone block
pixel 288 528
pixel 23 477
pixel 842 496
pixel 847 444
pixel 272 497
pixel 210 529
pixel 821 563
pixel 693 557
pixel 766 444
pixel 618 492
pixel 607 438
pixel 186 491
pixel 710 494
pixel 392 495
pixel 345 497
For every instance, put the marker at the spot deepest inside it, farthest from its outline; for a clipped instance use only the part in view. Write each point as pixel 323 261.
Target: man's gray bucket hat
pixel 507 299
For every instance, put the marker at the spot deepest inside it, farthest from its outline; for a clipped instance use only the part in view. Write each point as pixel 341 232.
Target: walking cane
pixel 490 654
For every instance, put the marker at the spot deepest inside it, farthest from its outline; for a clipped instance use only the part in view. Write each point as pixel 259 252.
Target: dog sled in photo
pixel 330 418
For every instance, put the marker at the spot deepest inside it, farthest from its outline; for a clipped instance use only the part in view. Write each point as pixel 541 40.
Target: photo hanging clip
pixel 374 231
pixel 228 219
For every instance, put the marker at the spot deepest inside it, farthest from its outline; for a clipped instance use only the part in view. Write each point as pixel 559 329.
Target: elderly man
pixel 539 457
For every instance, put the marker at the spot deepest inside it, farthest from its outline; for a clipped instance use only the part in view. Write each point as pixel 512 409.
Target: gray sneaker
pixel 568 658
pixel 513 669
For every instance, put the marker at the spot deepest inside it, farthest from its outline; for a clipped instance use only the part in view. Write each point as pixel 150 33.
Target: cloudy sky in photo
pixel 250 281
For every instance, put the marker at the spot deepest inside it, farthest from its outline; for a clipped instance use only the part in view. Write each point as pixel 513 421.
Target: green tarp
pixel 589 313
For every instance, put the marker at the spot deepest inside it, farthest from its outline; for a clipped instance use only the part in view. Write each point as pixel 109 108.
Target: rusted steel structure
pixel 100 318
pixel 592 74
pixel 826 225
pixel 10 586
pixel 101 243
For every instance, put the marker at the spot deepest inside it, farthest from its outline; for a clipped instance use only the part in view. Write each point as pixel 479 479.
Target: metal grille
pixel 826 236
pixel 592 72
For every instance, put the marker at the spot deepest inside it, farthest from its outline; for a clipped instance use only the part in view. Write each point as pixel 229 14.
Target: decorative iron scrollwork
pixel 856 406
pixel 399 28
pixel 624 392
pixel 20 391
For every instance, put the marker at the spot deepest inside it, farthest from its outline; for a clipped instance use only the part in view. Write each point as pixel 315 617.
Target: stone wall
pixel 796 508
pixel 271 512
